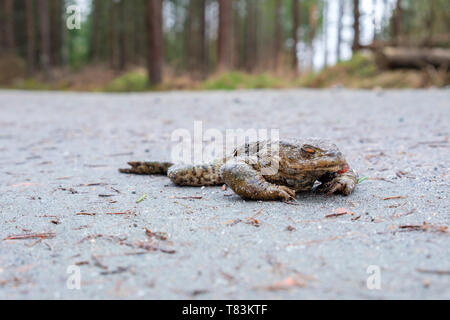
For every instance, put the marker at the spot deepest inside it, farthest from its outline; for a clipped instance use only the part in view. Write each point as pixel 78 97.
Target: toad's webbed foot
pixel 343 184
pixel 249 183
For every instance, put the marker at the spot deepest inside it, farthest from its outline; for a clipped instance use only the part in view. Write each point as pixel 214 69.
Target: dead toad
pixel 250 172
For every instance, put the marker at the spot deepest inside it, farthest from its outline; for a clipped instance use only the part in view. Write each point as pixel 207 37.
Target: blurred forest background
pixel 138 45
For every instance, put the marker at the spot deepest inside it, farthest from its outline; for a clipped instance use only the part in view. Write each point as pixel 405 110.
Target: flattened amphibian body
pixel 250 172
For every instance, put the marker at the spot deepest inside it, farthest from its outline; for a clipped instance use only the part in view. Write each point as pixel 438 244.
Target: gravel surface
pixel 59 155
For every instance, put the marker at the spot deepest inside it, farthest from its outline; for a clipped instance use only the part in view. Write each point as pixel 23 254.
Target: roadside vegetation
pixel 359 72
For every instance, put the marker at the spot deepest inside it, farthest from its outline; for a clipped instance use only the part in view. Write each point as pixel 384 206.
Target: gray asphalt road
pixel 59 154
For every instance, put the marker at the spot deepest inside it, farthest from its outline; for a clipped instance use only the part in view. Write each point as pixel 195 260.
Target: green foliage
pixel 131 81
pixel 238 80
pixel 423 22
pixel 78 43
pixel 32 84
pixel 360 66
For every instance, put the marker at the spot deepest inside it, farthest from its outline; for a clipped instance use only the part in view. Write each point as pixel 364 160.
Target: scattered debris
pixel 47 216
pixel 142 198
pixel 252 221
pixel 362 179
pixel 98 263
pixel 90 237
pixel 424 227
pixel 119 213
pixel 431 143
pixel 231 223
pixel 376 155
pixel 182 204
pixel 227 276
pixel 438 272
pixel 165 250
pixel 48 235
pixel 395 205
pixel 95 184
pixel 86 214
pixel 356 218
pixel 339 212
pixel 199 292
pixel 286 284
pixel 399 215
pixel 316 241
pixel 117 271
pixel 381 179
pixel 290 228
pixel 105 195
pixel 157 235
pixel 109 213
pixel 401 173
pixel 114 189
pixel 35 243
pixel 71 190
pixel 188 198
pixel 149 246
pixel 395 197
pixel 16 281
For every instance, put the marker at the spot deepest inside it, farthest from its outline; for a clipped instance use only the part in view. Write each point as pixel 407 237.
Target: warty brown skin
pixel 301 162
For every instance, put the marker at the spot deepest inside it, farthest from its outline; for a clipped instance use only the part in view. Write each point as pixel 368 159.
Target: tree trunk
pixel 224 46
pixel 155 42
pixel 9 26
pixel 95 33
pixel 113 35
pixel 122 36
pixel 397 23
pixel 203 39
pixel 374 20
pixel 238 39
pixel 189 37
pixel 251 36
pixel 30 35
pixel 55 32
pixel 356 15
pixel 312 32
pixel 277 36
pixel 339 30
pixel 44 27
pixel 430 22
pixel 325 34
pixel 295 25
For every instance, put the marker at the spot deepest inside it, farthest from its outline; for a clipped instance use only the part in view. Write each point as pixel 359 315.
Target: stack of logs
pixel 389 57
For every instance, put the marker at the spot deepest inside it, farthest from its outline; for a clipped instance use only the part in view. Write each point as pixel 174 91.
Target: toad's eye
pixel 308 150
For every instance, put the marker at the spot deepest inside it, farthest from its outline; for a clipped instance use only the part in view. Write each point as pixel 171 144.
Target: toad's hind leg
pixel 250 183
pixel 147 167
pixel 195 175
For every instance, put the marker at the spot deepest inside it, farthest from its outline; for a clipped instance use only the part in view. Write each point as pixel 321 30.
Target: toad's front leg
pixel 343 183
pixel 249 183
